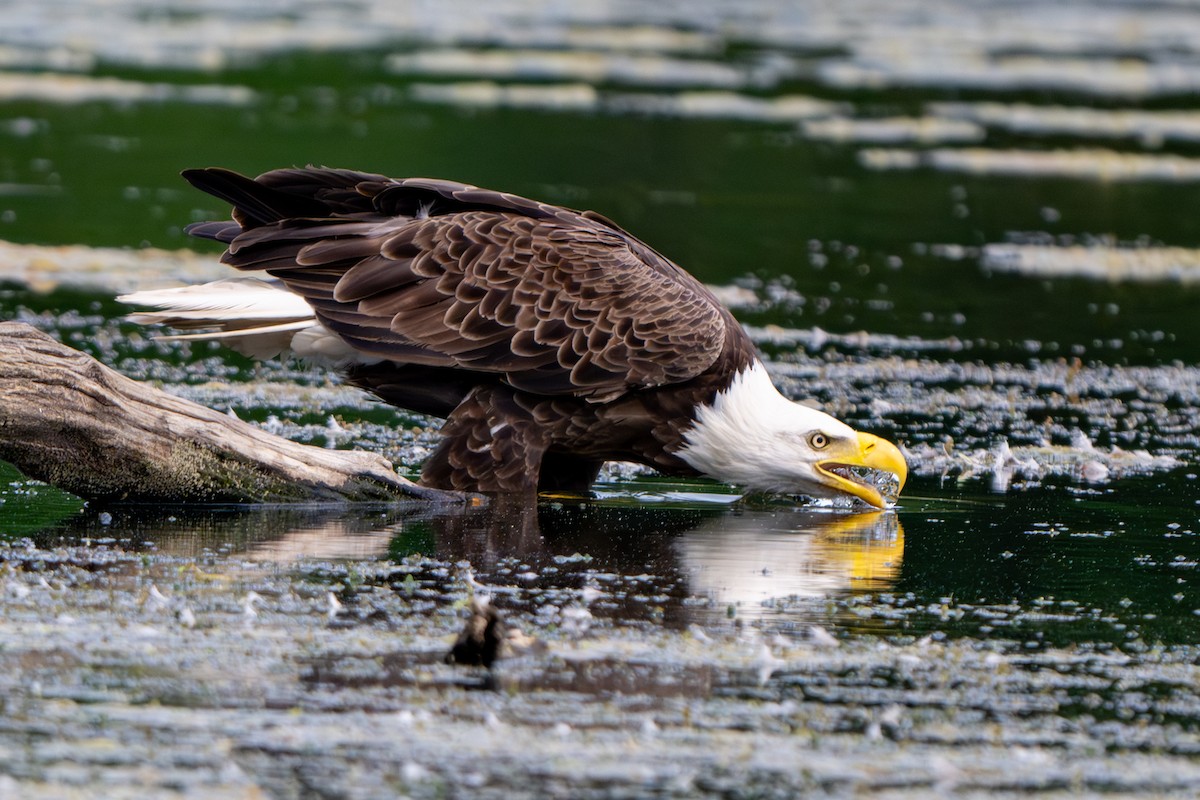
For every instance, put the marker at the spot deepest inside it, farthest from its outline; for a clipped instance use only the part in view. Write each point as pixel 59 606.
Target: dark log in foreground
pixel 72 422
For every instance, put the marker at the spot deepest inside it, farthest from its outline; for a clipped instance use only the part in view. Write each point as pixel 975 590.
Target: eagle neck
pixel 744 435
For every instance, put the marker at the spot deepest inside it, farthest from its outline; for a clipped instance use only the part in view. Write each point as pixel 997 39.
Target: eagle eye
pixel 818 440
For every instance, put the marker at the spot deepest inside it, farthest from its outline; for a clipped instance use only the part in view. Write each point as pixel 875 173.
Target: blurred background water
pixel 908 168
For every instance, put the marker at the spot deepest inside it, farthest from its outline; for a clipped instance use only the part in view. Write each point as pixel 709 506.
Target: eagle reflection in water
pixel 706 563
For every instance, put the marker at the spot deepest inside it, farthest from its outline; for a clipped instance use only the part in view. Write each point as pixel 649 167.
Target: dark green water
pixel 726 199
pixel 1051 561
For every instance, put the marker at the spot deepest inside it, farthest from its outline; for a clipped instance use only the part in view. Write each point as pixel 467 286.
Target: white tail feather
pixel 254 317
pixel 267 341
pixel 231 300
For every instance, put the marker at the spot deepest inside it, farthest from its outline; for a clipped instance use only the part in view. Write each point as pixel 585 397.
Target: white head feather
pixel 753 436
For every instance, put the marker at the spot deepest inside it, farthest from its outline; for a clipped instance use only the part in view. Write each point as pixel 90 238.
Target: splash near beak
pixel 874 472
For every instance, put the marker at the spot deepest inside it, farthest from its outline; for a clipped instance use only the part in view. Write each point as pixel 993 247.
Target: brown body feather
pixel 550 339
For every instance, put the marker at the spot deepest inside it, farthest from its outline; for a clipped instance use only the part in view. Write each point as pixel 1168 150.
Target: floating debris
pixel 29 190
pixel 578 65
pixel 109 270
pixel 1151 128
pixel 734 296
pixel 334 605
pixel 819 637
pixel 582 97
pixel 814 339
pixel 1088 164
pixel 155 599
pixel 968 68
pixel 766 663
pixel 480 641
pixel 921 130
pixel 249 606
pixel 59 59
pixel 631 38
pixel 726 105
pixel 487 94
pixel 70 89
pixel 187 617
pixel 1080 461
pixel 1098 262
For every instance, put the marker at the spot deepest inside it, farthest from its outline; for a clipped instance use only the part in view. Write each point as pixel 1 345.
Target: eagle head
pixel 753 436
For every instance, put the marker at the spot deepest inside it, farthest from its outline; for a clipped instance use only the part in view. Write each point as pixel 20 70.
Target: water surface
pixel 967 229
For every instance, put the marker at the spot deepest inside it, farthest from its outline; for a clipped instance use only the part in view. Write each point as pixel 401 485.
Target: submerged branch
pixel 70 421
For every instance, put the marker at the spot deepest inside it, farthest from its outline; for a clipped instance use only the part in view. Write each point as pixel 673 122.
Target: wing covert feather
pixel 444 274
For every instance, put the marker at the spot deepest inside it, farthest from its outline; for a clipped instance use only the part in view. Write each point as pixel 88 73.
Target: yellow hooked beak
pixel 871 469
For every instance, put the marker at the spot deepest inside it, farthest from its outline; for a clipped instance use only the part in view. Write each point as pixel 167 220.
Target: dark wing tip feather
pixel 255 203
pixel 224 231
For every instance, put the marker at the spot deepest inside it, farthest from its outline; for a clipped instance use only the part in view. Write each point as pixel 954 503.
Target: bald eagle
pixel 550 340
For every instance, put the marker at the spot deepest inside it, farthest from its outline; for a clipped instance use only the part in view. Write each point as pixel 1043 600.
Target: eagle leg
pixel 491 443
pixel 564 472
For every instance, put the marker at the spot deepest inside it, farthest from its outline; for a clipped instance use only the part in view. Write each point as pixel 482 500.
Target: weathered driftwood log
pixel 74 423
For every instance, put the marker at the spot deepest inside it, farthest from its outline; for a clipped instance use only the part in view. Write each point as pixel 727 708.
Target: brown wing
pixel 444 274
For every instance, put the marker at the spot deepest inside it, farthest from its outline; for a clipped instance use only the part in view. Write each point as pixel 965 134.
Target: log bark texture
pixel 72 422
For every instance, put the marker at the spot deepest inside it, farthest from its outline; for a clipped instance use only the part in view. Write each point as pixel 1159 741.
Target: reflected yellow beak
pixel 871 469
pixel 867 548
